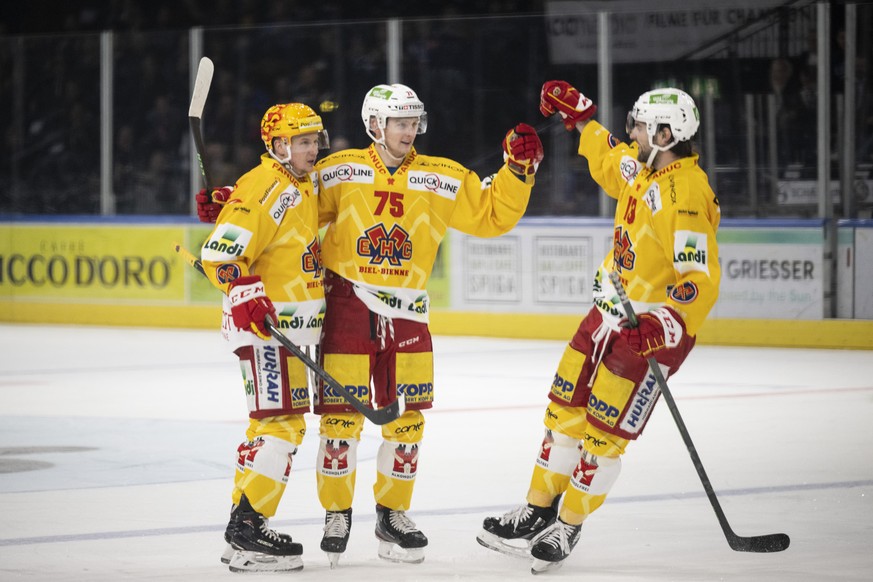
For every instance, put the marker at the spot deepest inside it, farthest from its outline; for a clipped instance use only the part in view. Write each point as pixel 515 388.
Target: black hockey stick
pixel 766 543
pixel 195 115
pixel 379 416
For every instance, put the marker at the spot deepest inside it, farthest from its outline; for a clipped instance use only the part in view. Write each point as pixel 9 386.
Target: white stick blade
pixel 201 87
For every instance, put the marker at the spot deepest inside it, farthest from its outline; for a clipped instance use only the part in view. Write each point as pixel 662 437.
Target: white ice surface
pixel 117 449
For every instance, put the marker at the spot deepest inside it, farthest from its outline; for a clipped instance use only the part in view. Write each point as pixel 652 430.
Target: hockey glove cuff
pixel 561 97
pixel 209 205
pixel 250 306
pixel 523 150
pixel 659 329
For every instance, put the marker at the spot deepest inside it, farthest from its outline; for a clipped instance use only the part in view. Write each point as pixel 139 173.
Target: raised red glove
pixel 523 150
pixel 250 306
pixel 656 330
pixel 209 207
pixel 561 97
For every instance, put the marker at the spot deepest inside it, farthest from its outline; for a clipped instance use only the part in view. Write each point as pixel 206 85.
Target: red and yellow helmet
pixel 290 119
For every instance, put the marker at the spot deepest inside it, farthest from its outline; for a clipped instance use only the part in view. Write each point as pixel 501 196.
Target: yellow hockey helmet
pixel 290 119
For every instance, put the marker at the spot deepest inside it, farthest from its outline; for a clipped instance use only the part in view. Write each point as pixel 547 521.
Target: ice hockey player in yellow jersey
pixel 666 255
pixel 264 255
pixel 387 208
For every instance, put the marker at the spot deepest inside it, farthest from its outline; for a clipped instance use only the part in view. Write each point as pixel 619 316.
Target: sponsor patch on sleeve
pixel 227 243
pixel 689 251
pixel 629 168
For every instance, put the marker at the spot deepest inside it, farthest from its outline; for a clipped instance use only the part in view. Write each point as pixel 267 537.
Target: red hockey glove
pixel 523 150
pixel 658 329
pixel 209 207
pixel 561 97
pixel 250 306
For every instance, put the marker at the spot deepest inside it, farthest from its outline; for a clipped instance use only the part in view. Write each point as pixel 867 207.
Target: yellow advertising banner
pixel 92 263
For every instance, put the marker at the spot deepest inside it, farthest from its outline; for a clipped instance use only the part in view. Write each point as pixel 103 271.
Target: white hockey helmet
pixel 384 101
pixel 672 107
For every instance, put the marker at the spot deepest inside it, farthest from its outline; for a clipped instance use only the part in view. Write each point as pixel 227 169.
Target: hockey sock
pixel 337 459
pixel 397 461
pixel 265 474
pixel 592 479
pixel 558 454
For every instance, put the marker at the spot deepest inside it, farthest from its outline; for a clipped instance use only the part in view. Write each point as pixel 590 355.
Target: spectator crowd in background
pixel 473 64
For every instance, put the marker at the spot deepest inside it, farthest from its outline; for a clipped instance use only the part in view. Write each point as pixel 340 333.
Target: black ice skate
pixel 552 546
pixel 400 539
pixel 511 533
pixel 228 533
pixel 257 547
pixel 337 526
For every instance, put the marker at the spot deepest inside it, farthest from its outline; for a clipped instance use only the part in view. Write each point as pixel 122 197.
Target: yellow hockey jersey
pixel 384 229
pixel 665 245
pixel 269 228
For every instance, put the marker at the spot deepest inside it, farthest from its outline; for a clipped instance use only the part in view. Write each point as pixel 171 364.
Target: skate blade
pixel 498 544
pixel 541 566
pixel 393 553
pixel 333 558
pixel 243 561
pixel 228 554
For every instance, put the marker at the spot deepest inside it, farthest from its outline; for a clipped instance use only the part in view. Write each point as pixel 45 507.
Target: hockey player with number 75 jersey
pixel 388 207
pixel 666 255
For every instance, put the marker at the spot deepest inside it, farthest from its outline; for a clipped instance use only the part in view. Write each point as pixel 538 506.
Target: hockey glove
pixel 561 97
pixel 250 306
pixel 656 330
pixel 209 207
pixel 523 150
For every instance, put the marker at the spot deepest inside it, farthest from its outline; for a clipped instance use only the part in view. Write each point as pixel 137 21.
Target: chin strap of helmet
pixel 286 163
pixel 387 152
pixel 656 149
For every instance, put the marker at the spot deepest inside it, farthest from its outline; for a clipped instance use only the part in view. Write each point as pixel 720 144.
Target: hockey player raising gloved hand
pixel 209 205
pixel 603 392
pixel 388 207
pixel 523 150
pixel 562 98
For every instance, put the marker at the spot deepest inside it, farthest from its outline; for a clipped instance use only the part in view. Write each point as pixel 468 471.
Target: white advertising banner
pixel 771 273
pixel 548 266
pixel 641 30
pixel 855 270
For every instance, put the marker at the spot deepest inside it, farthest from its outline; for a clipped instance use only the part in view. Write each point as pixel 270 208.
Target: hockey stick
pixel 379 416
pixel 195 115
pixel 766 543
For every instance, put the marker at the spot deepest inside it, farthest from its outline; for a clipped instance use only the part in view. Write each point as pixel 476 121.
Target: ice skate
pixel 511 533
pixel 337 526
pixel 228 533
pixel 257 548
pixel 400 539
pixel 552 546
